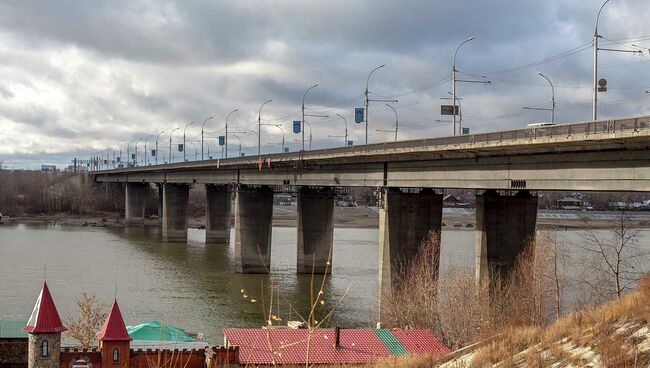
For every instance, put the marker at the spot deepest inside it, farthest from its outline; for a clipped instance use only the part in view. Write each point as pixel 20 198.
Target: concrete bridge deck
pixel 601 155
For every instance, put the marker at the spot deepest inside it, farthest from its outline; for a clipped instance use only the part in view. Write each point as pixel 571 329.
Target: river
pixel 192 286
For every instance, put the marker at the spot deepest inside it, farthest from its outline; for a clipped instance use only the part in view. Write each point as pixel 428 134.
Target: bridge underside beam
pixel 135 203
pixel 315 230
pixel 217 214
pixel 174 220
pixel 505 226
pixel 407 221
pixel 253 221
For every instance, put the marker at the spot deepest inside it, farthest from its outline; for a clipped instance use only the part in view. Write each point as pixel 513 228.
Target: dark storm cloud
pixel 88 75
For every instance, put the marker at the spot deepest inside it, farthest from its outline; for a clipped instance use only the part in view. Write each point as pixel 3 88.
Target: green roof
pixel 391 343
pixel 12 329
pixel 154 331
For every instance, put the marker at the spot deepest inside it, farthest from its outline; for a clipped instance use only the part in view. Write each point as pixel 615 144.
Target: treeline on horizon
pixel 24 193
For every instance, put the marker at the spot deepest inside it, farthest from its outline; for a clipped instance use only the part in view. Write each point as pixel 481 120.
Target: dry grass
pixel 602 335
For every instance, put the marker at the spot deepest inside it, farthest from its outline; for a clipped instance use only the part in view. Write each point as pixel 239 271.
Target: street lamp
pixel 196 151
pixel 453 78
pixel 171 158
pixel 239 140
pixel 145 149
pixel 136 151
pixel 552 109
pixel 302 128
pixel 226 136
pixel 346 129
pixel 282 129
pixel 158 135
pixel 184 146
pixel 367 98
pixel 259 129
pixel 396 120
pixel 203 125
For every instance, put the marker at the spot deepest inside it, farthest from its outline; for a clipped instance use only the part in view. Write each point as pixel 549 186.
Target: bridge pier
pixel 174 219
pixel 134 203
pixel 217 214
pixel 315 230
pixel 406 221
pixel 253 224
pixel 160 202
pixel 505 225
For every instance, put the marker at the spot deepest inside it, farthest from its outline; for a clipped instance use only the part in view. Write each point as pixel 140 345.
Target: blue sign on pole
pixel 222 140
pixel 350 143
pixel 296 126
pixel 119 159
pixel 358 115
pixel 180 147
pixel 133 156
pixel 153 152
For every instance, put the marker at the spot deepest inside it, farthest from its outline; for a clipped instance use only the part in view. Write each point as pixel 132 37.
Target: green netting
pixel 154 331
pixel 390 342
pixel 12 329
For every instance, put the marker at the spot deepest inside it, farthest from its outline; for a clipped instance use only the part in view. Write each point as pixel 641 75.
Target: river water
pixel 192 286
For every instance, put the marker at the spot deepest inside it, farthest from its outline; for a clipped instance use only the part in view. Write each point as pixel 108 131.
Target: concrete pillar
pixel 217 214
pixel 134 203
pixel 406 221
pixel 174 221
pixel 160 202
pixel 315 230
pixel 505 225
pixel 253 221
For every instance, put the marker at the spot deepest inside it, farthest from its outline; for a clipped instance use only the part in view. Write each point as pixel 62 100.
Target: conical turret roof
pixel 114 328
pixel 44 318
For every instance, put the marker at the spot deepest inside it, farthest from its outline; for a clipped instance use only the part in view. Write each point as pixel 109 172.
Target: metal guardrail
pixel 583 128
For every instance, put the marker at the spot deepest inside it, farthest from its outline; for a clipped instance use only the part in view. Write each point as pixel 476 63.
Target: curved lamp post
pixel 184 146
pixel 226 136
pixel 396 120
pixel 367 98
pixel 158 135
pixel 453 79
pixel 202 126
pixel 171 158
pixel 346 129
pixel 303 115
pixel 259 129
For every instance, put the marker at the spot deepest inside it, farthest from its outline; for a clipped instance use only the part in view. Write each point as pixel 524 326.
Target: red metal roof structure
pixel 44 318
pixel 318 346
pixel 114 328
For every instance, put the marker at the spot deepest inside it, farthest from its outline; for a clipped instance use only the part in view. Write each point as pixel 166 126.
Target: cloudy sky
pixel 77 77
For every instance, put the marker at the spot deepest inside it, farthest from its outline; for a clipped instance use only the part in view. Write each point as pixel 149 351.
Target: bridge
pixel 505 167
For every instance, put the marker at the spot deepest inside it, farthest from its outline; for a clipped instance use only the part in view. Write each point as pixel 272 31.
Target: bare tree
pixel 83 327
pixel 614 259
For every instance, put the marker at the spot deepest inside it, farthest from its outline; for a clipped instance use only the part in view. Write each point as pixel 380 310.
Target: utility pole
pixel 145 149
pixel 226 136
pixel 202 126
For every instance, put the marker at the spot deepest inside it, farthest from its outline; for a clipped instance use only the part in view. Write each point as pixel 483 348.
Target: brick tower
pixel 114 340
pixel 44 327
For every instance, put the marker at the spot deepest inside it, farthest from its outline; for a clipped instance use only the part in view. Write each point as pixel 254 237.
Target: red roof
pixel 300 346
pixel 114 328
pixel 44 318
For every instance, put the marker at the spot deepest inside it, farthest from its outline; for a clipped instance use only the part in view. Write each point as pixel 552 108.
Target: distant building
pixel 333 346
pixel 48 168
pixel 569 203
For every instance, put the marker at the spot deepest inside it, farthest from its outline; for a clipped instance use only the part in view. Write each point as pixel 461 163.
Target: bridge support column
pixel 315 230
pixel 134 203
pixel 160 202
pixel 505 225
pixel 217 214
pixel 253 224
pixel 174 219
pixel 406 222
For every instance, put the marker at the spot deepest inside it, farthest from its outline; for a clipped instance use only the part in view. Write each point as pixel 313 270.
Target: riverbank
pixel 361 218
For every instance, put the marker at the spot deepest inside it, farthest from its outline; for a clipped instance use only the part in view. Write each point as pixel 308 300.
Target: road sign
pixel 119 159
pixel 180 147
pixel 350 143
pixel 286 149
pixel 222 140
pixel 133 156
pixel 296 126
pixel 465 131
pixel 153 152
pixel 358 115
pixel 602 85
pixel 449 110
